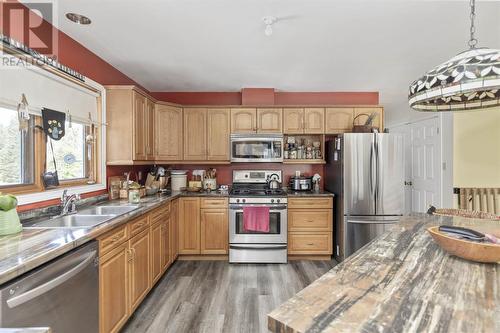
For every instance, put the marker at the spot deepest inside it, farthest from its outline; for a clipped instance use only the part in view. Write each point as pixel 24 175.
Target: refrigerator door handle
pixel 377 173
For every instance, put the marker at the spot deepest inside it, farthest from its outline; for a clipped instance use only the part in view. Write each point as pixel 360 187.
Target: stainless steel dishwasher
pixel 63 294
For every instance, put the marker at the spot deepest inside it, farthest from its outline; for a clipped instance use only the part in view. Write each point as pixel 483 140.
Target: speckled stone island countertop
pixel 31 248
pixel 26 330
pixel 400 282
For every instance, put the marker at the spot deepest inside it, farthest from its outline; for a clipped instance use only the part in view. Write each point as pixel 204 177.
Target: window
pixel 72 154
pixel 16 151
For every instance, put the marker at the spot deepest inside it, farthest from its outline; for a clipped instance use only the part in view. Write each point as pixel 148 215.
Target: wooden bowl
pixel 474 251
pixel 193 189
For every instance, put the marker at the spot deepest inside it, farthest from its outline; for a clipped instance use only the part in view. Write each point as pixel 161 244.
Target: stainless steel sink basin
pixel 107 210
pixel 72 221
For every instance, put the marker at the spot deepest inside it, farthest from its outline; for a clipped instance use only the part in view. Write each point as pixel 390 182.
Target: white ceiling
pixel 317 45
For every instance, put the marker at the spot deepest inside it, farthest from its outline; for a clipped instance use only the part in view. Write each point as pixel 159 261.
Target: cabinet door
pixel 339 120
pixel 243 121
pixel 140 127
pixel 168 133
pixel 166 253
pixel 218 127
pixel 363 113
pixel 174 220
pixel 189 226
pixel 214 231
pixel 150 127
pixel 113 289
pixel 314 121
pixel 156 252
pixel 139 272
pixel 293 120
pixel 269 120
pixel 195 134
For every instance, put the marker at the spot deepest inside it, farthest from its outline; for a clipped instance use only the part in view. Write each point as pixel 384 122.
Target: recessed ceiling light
pixel 77 18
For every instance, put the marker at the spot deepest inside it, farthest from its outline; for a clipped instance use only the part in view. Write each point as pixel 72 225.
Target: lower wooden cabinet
pixel 140 281
pixel 174 221
pixel 214 231
pixel 156 252
pixel 113 289
pixel 166 243
pixel 310 226
pixel 189 226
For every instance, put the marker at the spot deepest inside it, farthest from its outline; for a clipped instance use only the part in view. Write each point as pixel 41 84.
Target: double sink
pixel 86 218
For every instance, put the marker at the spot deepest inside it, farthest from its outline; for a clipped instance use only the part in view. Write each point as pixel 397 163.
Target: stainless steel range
pixel 247 245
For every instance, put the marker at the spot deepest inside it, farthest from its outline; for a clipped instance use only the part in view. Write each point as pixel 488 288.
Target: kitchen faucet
pixel 68 203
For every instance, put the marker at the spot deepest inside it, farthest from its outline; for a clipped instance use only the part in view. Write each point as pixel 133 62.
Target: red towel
pixel 256 219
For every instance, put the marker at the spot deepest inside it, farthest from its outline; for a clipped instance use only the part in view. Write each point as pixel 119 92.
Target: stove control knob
pixel 272 200
pixel 243 200
pixel 278 201
pixel 237 200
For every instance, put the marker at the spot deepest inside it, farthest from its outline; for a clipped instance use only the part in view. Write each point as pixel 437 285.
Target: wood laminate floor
pixel 214 296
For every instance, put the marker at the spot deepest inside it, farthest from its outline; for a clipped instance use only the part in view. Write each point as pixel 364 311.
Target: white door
pixel 425 147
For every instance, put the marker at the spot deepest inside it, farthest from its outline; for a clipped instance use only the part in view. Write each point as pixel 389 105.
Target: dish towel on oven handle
pixel 256 219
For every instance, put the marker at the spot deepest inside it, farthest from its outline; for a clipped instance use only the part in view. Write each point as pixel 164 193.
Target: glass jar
pixel 134 196
pixel 293 154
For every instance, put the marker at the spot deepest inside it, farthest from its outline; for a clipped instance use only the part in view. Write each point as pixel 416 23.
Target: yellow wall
pixel 476 148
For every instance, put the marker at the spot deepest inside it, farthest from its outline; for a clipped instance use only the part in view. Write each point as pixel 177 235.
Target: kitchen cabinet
pixel 363 114
pixel 218 128
pixel 195 134
pixel 113 289
pixel 156 251
pixel 189 226
pixel 338 120
pixel 304 121
pixel 166 243
pixel 140 280
pixel 214 231
pixel 262 120
pixel 174 220
pixel 244 120
pixel 270 120
pixel 130 131
pixel 310 227
pixel 293 120
pixel 168 133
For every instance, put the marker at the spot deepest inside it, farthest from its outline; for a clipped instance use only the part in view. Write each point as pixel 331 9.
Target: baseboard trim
pixel 187 257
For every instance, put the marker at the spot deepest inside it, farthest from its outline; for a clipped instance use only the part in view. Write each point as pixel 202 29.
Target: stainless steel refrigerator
pixel 365 171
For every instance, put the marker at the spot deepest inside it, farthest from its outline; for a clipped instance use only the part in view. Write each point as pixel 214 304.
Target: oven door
pixel 256 149
pixel 277 226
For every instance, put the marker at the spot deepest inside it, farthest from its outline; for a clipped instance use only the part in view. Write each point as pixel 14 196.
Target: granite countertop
pixel 309 194
pixel 401 282
pixel 26 330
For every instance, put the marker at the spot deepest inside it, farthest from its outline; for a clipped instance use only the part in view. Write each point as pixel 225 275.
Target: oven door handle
pixel 258 247
pixel 271 207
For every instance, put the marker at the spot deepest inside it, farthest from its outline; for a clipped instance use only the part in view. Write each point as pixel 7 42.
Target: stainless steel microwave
pixel 256 148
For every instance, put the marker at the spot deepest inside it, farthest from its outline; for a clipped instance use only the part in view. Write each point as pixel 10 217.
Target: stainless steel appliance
pixel 63 294
pixel 299 183
pixel 256 148
pixel 250 190
pixel 365 171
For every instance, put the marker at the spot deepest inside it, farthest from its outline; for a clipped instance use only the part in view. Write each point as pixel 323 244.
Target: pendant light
pixel 470 80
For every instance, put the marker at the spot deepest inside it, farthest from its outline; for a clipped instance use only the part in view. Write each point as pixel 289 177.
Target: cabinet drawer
pixel 112 239
pixel 214 203
pixel 310 220
pixel 160 214
pixel 310 203
pixel 138 225
pixel 310 243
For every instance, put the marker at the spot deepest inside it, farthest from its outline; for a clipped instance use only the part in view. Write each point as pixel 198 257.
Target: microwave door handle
pixel 46 287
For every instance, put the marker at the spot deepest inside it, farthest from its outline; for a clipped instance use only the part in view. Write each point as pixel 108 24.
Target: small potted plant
pixel 9 220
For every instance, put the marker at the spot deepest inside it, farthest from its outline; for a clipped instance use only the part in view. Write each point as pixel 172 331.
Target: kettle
pixel 273 183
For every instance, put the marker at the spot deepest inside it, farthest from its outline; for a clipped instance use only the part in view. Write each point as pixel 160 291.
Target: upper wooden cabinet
pixel 270 120
pixel 130 131
pixel 304 121
pixel 244 120
pixel 195 134
pixel 168 133
pixel 218 128
pixel 338 120
pixel 293 121
pixel 363 113
pixel 251 120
